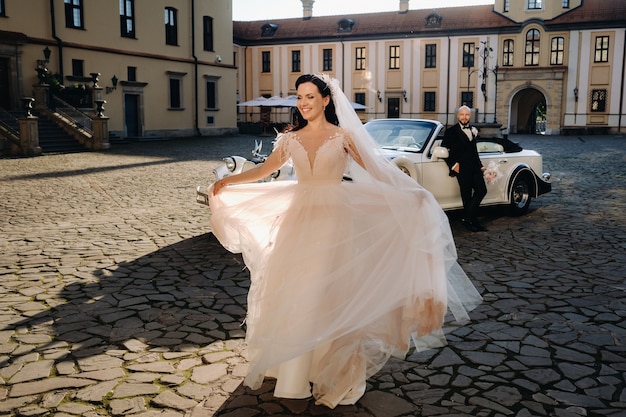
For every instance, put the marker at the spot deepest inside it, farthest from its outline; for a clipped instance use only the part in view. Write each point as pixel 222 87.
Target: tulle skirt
pixel 338 284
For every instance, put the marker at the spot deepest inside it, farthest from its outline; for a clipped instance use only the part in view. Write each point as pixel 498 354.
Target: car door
pixel 495 161
pixel 436 179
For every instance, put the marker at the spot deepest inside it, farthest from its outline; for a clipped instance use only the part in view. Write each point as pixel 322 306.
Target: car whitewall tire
pixel 407 167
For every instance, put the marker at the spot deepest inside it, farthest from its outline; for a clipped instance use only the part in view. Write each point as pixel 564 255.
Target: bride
pixel 344 274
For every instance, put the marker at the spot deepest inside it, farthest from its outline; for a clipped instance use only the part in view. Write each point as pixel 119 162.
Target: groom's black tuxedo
pixel 463 151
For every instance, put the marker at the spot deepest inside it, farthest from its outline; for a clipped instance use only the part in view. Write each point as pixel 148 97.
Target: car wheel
pixel 407 167
pixel 520 195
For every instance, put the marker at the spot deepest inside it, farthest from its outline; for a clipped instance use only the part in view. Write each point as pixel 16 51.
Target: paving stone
pixel 103 375
pixel 172 379
pixel 131 298
pixel 99 362
pixel 132 390
pixel 383 404
pixel 12 404
pixel 162 367
pixel 75 408
pixel 66 368
pixel 169 399
pixel 31 371
pixel 52 399
pixel 217 356
pixel 208 373
pixel 127 406
pixel 135 345
pixel 47 385
pixel 195 391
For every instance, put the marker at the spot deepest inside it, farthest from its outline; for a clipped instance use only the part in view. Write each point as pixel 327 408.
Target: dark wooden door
pixel 5 94
pixel 393 107
pixel 131 115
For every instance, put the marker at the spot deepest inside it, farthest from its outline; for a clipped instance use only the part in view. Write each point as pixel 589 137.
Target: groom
pixel 466 166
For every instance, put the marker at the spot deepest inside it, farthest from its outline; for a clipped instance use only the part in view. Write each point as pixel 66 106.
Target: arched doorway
pixel 528 112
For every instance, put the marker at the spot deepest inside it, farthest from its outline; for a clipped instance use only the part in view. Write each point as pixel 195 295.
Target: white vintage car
pixel 413 145
pixel 512 174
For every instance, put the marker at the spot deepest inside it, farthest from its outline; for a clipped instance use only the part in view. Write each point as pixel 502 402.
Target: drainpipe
pixel 343 64
pixel 243 75
pixel 621 96
pixel 195 67
pixel 448 86
pixel 59 41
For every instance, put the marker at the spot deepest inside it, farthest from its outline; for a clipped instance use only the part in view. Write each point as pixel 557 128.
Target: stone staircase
pixel 53 139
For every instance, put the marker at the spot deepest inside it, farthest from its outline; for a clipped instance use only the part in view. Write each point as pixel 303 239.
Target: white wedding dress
pixel 338 282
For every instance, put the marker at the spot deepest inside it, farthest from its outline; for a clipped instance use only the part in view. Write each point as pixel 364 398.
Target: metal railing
pixel 9 120
pixel 9 127
pixel 80 119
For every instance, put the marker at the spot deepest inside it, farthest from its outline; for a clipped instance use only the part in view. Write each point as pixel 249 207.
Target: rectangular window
pixel 430 60
pixel 468 54
pixel 127 18
pixel 534 4
pixel 207 33
pixel 429 101
pixel 507 53
pixel 467 98
pixel 506 6
pixel 211 94
pixel 359 56
pixel 598 100
pixel 359 98
pixel 394 57
pixel 327 60
pixel 2 9
pixel 566 4
pixel 78 67
pixel 557 51
pixel 295 61
pixel 171 29
pixel 531 53
pixel 266 61
pixel 131 73
pixel 602 49
pixel 74 14
pixel 176 93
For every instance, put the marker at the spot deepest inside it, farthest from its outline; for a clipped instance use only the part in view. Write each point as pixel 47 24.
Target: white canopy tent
pixel 276 103
pixel 289 101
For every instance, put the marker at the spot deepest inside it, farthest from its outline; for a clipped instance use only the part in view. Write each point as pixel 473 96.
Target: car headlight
pixel 230 164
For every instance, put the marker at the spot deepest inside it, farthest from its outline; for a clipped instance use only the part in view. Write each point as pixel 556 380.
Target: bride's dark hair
pixel 324 89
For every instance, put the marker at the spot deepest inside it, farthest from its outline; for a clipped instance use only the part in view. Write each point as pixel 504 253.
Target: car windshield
pixel 405 135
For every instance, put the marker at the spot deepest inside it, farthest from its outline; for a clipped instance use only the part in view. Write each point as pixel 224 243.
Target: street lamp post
pixel 495 94
pixel 485 51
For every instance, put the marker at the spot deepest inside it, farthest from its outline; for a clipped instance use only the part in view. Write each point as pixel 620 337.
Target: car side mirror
pixel 440 153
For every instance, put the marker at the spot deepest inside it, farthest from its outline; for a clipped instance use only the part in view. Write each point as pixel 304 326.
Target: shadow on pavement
pixel 162 319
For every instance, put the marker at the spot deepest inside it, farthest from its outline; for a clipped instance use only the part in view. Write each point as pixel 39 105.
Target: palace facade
pixel 527 66
pixel 164 67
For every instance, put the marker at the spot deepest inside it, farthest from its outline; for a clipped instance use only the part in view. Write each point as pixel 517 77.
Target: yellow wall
pixel 102 49
pixel 519 13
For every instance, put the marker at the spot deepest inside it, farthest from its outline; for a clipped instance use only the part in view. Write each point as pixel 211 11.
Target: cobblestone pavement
pixel 115 299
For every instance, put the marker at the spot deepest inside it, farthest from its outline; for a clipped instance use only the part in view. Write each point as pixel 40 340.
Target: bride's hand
pixel 217 186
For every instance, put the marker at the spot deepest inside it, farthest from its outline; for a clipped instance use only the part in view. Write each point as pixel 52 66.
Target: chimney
pixel 404 6
pixel 307 9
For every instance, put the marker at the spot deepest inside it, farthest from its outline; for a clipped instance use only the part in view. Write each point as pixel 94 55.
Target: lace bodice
pixel 327 164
